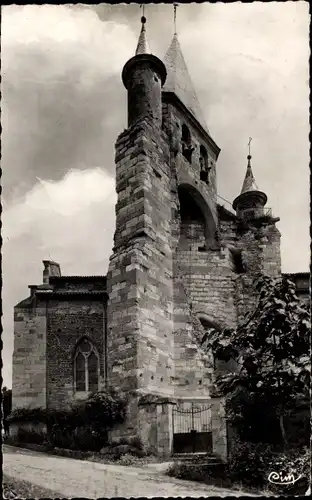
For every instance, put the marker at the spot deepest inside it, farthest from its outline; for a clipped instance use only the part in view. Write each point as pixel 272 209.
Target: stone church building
pixel 181 263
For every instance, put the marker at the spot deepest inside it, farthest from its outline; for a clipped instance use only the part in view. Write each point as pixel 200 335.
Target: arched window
pixel 86 367
pixel 204 168
pixel 187 148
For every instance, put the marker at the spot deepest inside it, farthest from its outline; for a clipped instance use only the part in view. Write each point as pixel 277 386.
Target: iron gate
pixel 192 428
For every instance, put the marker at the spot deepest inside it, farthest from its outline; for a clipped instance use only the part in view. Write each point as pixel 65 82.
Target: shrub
pixel 200 469
pixel 117 450
pixel 76 454
pixel 249 464
pixel 11 440
pixel 129 459
pixel 82 427
pixel 135 442
pixel 30 436
pixel 33 415
pixel 61 437
pixel 296 463
pixel 104 409
pixel 86 439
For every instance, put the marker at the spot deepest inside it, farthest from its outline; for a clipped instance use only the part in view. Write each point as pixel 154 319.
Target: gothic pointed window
pixel 86 367
pixel 80 372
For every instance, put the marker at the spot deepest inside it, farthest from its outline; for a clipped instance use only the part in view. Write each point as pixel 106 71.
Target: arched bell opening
pixel 186 140
pixel 204 167
pixel 197 230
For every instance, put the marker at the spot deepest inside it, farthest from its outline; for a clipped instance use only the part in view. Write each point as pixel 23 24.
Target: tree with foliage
pixel 271 348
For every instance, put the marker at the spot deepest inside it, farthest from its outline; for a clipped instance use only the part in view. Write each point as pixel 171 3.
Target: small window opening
pixel 238 264
pixel 187 148
pixel 204 167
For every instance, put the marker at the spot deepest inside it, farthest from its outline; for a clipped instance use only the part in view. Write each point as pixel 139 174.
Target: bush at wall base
pixel 83 426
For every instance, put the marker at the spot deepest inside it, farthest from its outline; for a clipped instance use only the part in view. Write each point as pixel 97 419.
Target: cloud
pixel 61 92
pixel 63 106
pixel 70 221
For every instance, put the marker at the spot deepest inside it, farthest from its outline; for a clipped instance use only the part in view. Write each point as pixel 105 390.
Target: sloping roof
pixel 71 293
pixel 25 303
pixel 223 211
pixel 78 278
pixel 300 274
pixel 179 82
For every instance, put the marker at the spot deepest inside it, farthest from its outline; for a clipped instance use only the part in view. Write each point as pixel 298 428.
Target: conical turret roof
pixel 250 190
pixel 142 47
pixel 143 53
pixel 249 183
pixel 179 82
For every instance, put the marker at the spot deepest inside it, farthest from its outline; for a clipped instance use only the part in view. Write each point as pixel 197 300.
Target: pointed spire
pixel 250 195
pixel 179 82
pixel 142 47
pixel 249 183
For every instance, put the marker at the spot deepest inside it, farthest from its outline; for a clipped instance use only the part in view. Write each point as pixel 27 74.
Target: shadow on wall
pixel 197 227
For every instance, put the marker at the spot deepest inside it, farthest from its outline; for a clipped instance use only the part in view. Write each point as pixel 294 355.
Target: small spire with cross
pixel 249 155
pixel 142 47
pixel 143 18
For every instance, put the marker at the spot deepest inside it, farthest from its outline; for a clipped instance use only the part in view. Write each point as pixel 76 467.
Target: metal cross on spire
pixel 250 139
pixel 175 5
pixel 142 47
pixel 249 155
pixel 142 6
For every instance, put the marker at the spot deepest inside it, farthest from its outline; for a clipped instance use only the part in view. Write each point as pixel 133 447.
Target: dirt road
pixel 77 478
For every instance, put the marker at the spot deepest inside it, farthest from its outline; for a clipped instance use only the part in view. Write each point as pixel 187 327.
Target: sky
pixel 63 106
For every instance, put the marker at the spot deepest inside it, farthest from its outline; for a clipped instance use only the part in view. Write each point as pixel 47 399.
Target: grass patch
pixel 17 488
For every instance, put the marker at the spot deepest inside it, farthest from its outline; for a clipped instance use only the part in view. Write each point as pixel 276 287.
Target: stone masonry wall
pixel 209 281
pixel 29 357
pixel 193 367
pixel 261 255
pixel 139 280
pixel 67 321
pixel 191 228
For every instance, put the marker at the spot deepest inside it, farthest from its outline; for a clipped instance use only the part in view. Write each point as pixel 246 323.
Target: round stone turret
pixel 250 203
pixel 143 76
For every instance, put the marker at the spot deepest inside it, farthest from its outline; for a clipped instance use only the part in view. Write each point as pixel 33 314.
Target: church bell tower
pixel 139 279
pixel 143 76
pixel 166 252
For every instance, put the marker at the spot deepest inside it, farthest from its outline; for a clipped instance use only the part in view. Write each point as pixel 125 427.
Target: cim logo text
pixel 283 479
